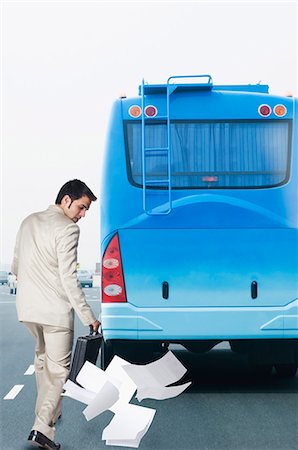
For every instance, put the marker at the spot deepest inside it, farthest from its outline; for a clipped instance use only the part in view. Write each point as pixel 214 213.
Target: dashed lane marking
pixel 30 370
pixel 14 392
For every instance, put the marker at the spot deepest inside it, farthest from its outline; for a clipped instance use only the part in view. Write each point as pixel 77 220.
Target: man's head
pixel 75 199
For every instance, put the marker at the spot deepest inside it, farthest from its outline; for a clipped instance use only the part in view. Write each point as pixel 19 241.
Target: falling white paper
pixel 103 400
pixel 91 377
pixel 100 389
pixel 132 443
pixel 76 392
pixel 128 426
pixel 117 375
pixel 161 393
pixel 114 388
pixel 164 371
pixel 135 443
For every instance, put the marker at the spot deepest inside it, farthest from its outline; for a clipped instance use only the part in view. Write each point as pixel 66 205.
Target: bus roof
pixel 162 88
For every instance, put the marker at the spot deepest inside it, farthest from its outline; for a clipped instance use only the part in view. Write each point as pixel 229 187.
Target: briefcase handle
pixel 92 333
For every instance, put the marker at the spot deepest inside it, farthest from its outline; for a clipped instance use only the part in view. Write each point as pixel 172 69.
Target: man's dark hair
pixel 75 189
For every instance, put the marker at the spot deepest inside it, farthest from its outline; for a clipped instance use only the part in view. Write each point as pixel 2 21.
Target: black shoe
pixel 37 438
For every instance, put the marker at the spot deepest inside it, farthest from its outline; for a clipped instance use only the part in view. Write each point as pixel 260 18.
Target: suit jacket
pixel 45 262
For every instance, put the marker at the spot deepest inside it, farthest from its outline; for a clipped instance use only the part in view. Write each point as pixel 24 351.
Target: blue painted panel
pixel 209 267
pixel 213 105
pixel 200 323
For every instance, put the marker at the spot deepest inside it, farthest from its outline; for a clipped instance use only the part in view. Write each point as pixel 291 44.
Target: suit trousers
pixel 52 363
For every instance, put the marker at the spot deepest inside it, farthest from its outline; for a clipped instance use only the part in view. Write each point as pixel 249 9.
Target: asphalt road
pixel 227 407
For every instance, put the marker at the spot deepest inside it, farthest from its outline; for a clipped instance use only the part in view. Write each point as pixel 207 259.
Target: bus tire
pixel 286 370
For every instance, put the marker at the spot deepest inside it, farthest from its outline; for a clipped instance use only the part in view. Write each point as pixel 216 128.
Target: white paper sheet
pixel 114 388
pixel 161 393
pixel 91 377
pixel 164 371
pixel 103 400
pixel 117 375
pixel 132 443
pixel 76 392
pixel 128 425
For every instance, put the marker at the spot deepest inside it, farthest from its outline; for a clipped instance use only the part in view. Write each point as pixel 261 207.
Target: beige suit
pixel 45 262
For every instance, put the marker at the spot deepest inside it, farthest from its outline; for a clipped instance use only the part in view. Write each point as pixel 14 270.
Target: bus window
pixel 234 154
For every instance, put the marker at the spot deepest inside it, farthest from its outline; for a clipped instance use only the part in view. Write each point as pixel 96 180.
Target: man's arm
pixel 14 265
pixel 66 245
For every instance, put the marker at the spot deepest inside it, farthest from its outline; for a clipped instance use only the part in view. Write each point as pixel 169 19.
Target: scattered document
pixel 128 426
pixel 152 379
pixel 91 377
pixel 161 393
pixel 116 374
pixel 164 371
pixel 103 400
pixel 78 393
pixel 113 389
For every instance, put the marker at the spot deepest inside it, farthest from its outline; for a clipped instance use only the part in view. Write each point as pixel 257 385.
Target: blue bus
pixel 199 220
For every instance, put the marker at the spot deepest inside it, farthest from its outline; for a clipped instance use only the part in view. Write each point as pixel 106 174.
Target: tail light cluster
pixel 135 111
pixel 279 110
pixel 113 288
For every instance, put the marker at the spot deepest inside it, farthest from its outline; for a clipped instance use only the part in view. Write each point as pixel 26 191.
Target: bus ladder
pixel 148 152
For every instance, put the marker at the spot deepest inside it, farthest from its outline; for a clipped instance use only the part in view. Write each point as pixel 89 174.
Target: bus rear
pixel 199 222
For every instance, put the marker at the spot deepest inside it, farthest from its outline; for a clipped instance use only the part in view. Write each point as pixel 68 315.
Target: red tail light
pixel 112 282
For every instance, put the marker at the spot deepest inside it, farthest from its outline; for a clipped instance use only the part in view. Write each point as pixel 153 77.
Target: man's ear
pixel 66 200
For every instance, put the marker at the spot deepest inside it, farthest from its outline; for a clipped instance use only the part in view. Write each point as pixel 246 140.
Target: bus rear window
pixel 233 154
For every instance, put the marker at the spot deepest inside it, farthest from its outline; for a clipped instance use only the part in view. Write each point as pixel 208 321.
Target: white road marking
pixel 30 370
pixel 9 301
pixel 14 392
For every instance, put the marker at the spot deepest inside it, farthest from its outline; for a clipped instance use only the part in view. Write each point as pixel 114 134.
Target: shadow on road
pixel 222 370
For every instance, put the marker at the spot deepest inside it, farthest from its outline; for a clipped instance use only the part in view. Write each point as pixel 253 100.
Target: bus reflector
pixel 112 290
pixel 264 110
pixel 112 280
pixel 135 111
pixel 280 110
pixel 150 111
pixel 111 263
pixel 210 179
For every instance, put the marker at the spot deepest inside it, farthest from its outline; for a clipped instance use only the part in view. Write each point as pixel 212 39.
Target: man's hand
pixel 95 325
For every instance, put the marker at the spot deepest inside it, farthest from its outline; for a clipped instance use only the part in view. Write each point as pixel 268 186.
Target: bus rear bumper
pixel 125 321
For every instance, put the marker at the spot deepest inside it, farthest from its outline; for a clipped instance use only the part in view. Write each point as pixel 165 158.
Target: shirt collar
pixel 56 208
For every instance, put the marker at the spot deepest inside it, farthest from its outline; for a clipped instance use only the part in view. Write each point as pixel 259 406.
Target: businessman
pixel 45 263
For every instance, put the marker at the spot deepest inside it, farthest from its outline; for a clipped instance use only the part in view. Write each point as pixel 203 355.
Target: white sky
pixel 64 63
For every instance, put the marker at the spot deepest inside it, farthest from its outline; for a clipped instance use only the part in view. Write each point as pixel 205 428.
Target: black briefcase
pixel 86 349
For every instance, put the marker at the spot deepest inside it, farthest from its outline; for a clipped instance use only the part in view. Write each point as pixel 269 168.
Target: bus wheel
pixel 286 370
pixel 106 354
